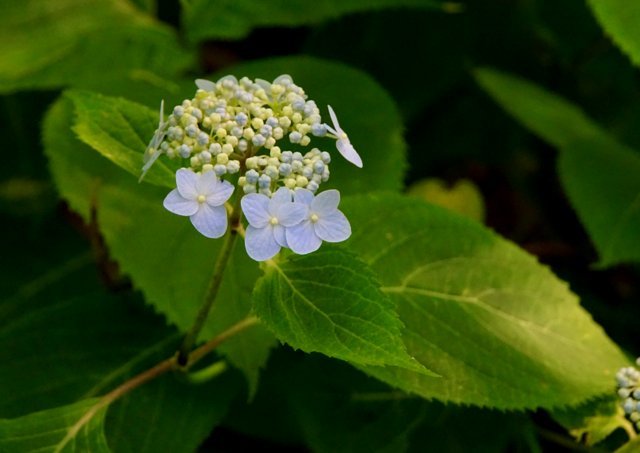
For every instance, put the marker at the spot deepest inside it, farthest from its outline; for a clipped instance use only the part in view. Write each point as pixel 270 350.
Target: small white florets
pixel 261 131
pixel 628 379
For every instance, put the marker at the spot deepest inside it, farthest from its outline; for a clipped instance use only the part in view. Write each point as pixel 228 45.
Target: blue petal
pixel 333 228
pixel 177 204
pixel 260 243
pixel 291 214
pixel 303 196
pixel 325 203
pixel 187 181
pixel 221 193
pixel 349 152
pixel 280 236
pixel 282 196
pixel 211 221
pixel 255 209
pixel 302 238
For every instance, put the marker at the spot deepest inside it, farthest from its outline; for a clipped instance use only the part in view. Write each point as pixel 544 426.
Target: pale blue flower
pixel 268 219
pixel 201 196
pixel 323 222
pixel 343 144
pixel 152 153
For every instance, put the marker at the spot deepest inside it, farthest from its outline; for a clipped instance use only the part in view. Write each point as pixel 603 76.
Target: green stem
pixel 216 279
pixel 208 373
pixel 152 373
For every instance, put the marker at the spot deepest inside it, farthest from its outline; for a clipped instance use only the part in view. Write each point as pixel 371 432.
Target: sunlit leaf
pixel 500 329
pixel 329 302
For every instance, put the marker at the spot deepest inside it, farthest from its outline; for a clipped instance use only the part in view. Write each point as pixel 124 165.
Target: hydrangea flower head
pixel 628 379
pixel 202 198
pixel 262 131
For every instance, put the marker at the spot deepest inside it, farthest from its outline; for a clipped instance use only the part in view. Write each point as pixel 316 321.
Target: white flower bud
pixel 233 166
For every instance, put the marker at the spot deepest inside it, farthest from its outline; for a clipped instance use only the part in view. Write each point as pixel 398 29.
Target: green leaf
pixel 630 447
pixel 619 18
pixel 168 414
pixel 340 409
pixel 51 431
pixel 602 180
pixel 93 342
pixel 159 250
pixel 545 114
pixel 500 328
pixel 366 112
pixel 329 302
pixel 119 130
pixel 600 175
pixel 594 421
pixel 226 19
pixel 73 42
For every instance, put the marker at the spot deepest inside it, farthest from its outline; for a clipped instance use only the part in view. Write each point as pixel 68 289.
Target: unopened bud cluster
pixel 628 379
pixel 246 127
pixel 293 169
pixel 232 120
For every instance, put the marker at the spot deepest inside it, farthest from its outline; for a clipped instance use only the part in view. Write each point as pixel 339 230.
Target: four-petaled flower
pixel 268 219
pixel 343 144
pixel 323 222
pixel 201 196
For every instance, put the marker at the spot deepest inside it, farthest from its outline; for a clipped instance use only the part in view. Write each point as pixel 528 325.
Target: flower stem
pixel 214 285
pixel 156 371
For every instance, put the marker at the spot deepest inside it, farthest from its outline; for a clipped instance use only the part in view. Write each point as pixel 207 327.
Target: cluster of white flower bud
pixel 232 120
pixel 291 169
pixel 628 379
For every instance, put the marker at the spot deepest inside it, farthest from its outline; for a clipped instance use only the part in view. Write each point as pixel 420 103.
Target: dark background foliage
pixel 454 129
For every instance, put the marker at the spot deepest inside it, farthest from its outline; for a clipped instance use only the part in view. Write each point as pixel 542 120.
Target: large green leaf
pixel 620 18
pixel 548 115
pixel 602 180
pixel 93 341
pixel 500 329
pixel 366 112
pixel 329 302
pixel 234 19
pixel 160 251
pixel 53 431
pixel 78 42
pixel 119 130
pixel 599 174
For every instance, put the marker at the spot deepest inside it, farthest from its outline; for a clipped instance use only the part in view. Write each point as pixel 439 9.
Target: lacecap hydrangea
pixel 628 380
pixel 243 131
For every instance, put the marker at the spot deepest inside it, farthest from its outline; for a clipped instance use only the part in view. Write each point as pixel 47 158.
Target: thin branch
pixel 214 285
pixel 156 371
